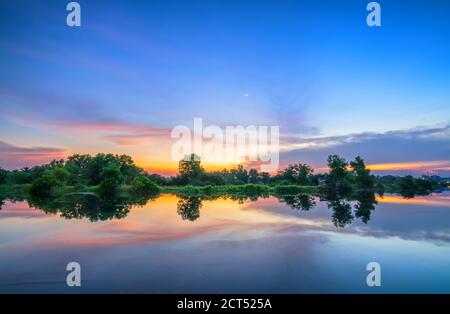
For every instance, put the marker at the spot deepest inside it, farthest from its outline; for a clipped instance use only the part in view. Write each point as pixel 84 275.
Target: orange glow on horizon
pixel 435 201
pixel 418 166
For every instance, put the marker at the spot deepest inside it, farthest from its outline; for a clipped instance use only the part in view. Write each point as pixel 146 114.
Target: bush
pixel 111 182
pixel 208 189
pixel 61 174
pixel 42 187
pixel 288 189
pixel 254 189
pixel 109 188
pixel 141 184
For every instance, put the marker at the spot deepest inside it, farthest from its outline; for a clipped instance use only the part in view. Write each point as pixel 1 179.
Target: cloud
pixel 293 141
pixel 12 156
pixel 76 117
pixel 404 151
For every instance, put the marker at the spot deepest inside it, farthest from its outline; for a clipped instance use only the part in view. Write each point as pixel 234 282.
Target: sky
pixel 136 69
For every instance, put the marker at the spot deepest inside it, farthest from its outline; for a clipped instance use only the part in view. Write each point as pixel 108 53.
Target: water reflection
pixel 301 201
pixel 84 205
pixel 205 244
pixel 364 203
pixel 345 208
pixel 188 207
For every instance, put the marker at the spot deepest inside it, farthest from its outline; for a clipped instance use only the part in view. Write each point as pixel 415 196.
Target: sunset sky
pixel 136 69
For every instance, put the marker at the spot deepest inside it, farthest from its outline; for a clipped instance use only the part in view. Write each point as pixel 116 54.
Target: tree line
pixel 109 172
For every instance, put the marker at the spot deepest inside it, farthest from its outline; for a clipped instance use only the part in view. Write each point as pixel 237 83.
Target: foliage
pixel 297 174
pixel 42 187
pixel 189 207
pixel 338 169
pixel 111 181
pixel 362 177
pixel 141 184
pixel 3 175
pixel 106 173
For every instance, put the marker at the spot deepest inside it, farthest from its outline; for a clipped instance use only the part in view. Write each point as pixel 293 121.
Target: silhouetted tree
pixel 190 170
pixel 362 176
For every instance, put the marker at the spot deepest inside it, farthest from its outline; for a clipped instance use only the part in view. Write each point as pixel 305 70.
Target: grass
pixel 246 189
pixel 188 190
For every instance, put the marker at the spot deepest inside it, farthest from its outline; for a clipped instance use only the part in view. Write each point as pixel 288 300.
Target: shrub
pixel 42 187
pixel 253 189
pixel 112 179
pixel 141 184
pixel 288 189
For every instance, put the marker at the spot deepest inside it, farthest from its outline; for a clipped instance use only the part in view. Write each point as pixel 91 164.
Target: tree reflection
pixel 90 206
pixel 188 207
pixel 345 207
pixel 301 201
pixel 341 206
pixel 366 202
pixel 342 212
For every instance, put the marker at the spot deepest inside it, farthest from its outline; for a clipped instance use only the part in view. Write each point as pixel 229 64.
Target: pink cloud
pixel 15 156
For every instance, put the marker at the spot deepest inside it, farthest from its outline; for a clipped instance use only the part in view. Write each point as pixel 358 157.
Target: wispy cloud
pixel 414 151
pixel 15 156
pixel 293 141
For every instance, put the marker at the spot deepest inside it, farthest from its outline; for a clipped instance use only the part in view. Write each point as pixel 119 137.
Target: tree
pixel 406 186
pixel 190 170
pixel 42 187
pixel 3 175
pixel 158 179
pixel 338 168
pixel 241 174
pixel 253 176
pixel 19 177
pixel 298 174
pixel 141 184
pixel 363 178
pixel 61 174
pixel 77 165
pixel 127 168
pixel 111 181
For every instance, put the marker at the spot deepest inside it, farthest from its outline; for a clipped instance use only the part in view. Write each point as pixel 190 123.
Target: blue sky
pixel 141 67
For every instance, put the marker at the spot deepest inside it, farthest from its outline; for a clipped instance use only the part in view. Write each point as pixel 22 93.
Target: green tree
pixel 111 181
pixel 406 186
pixel 338 169
pixel 362 176
pixel 141 184
pixel 61 174
pixel 77 165
pixel 241 174
pixel 3 175
pixel 127 168
pixel 190 170
pixel 298 174
pixel 42 187
pixel 253 176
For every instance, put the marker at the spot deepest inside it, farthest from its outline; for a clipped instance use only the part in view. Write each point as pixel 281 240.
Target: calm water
pixel 173 245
